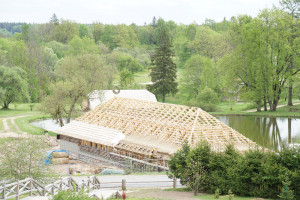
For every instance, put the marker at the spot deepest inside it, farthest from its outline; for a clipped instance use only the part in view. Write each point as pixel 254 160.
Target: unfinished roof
pixel 100 96
pixel 167 122
pixel 90 132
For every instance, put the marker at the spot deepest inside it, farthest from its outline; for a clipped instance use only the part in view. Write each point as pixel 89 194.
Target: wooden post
pixel 31 187
pixel 123 184
pixel 3 192
pixel 60 184
pixel 17 191
pixel 174 183
pixel 52 189
pixel 82 185
pixel 43 191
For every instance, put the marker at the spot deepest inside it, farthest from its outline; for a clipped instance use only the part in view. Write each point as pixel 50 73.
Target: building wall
pixel 97 156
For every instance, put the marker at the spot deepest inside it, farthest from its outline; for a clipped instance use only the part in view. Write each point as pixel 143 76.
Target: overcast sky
pixel 128 11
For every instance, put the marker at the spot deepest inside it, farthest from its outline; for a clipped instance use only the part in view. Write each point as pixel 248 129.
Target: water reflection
pixel 272 133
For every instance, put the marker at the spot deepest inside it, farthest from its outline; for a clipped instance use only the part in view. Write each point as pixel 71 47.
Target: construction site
pixel 145 133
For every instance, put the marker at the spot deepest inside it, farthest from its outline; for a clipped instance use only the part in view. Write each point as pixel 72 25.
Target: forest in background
pixel 60 62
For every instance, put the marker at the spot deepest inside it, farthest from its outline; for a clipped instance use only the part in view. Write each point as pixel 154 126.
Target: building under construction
pixel 144 131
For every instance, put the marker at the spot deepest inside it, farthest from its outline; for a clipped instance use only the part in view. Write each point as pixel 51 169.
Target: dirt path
pixel 10 131
pixel 280 106
pixel 161 194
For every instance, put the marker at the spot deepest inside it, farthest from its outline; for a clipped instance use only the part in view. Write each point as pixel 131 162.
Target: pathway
pixel 280 106
pixel 13 131
pixel 133 181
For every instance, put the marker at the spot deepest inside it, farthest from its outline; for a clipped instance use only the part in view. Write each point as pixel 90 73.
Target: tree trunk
pixel 289 130
pixel 258 106
pixel 164 98
pixel 265 105
pixel 71 109
pixel 61 122
pixel 5 105
pixel 271 105
pixel 290 102
pixel 275 103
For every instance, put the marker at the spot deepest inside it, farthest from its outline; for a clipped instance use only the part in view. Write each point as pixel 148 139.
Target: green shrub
pixel 286 193
pixel 251 173
pixel 208 96
pixel 71 195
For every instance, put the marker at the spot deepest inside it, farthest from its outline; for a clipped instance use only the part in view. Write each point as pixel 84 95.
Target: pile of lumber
pixel 60 158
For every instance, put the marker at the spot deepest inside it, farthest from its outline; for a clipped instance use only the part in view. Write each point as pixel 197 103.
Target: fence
pixel 31 187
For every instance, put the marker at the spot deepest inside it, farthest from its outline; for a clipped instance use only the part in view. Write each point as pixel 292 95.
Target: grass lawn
pixel 212 197
pixel 11 126
pixel 142 77
pixel 24 124
pixel 280 112
pixel 1 125
pixel 4 140
pixel 21 109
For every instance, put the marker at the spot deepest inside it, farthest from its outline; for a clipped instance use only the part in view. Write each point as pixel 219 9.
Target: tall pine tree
pixel 163 69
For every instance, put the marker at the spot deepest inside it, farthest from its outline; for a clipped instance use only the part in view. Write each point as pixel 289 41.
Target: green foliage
pixel 230 195
pixel 79 75
pixel 82 45
pixel 126 78
pixel 71 195
pixel 65 31
pixel 207 100
pixel 217 193
pixel 286 193
pixel 129 63
pixel 13 84
pixel 252 173
pixel 59 49
pixel 198 73
pixel 25 158
pixel 178 164
pixel 207 95
pixel 163 70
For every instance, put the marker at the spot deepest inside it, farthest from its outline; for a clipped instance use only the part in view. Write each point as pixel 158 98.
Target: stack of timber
pixel 59 158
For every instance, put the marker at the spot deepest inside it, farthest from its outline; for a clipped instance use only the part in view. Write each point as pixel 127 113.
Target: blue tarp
pixel 48 160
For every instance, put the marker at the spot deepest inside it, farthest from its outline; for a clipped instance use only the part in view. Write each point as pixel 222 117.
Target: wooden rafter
pixel 168 122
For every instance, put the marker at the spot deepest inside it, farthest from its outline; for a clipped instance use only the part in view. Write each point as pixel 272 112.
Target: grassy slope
pixel 24 124
pixel 21 109
pixel 1 125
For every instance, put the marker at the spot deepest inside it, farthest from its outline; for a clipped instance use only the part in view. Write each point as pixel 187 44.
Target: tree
pixel 54 20
pixel 293 8
pixel 13 84
pixel 163 70
pixel 24 158
pixel 77 77
pixel 198 74
pixel 65 31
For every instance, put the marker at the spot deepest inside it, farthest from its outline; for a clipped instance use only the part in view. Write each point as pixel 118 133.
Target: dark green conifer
pixel 163 69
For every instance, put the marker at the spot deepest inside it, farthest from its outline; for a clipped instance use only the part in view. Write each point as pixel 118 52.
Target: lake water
pixel 48 124
pixel 272 133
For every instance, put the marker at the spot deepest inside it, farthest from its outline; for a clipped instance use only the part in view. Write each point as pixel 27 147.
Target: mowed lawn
pixel 20 109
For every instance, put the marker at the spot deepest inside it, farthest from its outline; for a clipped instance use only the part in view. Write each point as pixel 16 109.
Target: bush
pixel 252 173
pixel 70 195
pixel 208 96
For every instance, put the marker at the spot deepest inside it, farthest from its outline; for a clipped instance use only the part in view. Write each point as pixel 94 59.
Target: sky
pixel 128 11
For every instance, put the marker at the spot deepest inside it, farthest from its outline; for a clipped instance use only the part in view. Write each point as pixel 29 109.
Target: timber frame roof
pixel 167 122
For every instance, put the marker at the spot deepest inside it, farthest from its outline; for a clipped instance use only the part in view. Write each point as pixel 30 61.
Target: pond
pixel 272 133
pixel 48 124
